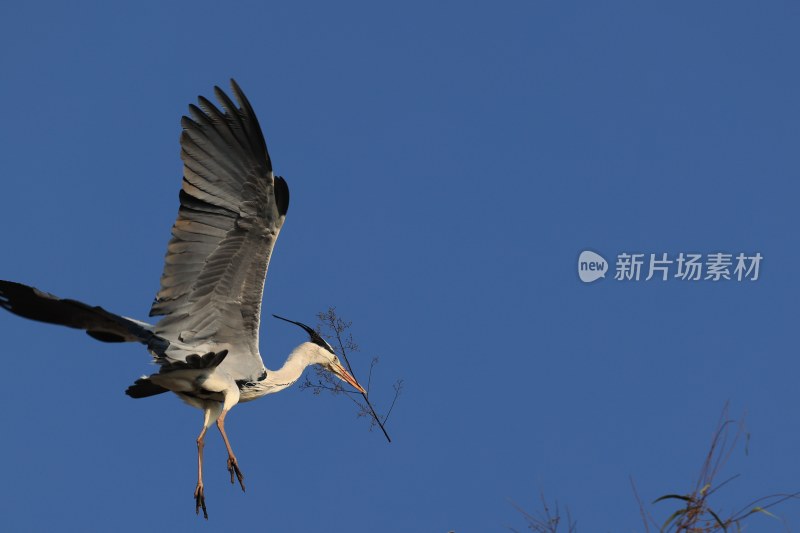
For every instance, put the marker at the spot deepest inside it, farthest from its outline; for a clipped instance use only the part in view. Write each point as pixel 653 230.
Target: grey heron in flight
pixel 232 208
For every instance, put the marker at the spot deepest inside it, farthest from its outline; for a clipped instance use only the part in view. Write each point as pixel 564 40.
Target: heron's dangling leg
pixel 211 412
pixel 233 465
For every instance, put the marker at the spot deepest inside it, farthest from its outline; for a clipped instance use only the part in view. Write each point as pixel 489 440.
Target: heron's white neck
pixel 290 372
pixel 304 355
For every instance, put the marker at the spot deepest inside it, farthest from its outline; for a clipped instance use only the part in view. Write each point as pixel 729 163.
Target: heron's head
pixel 322 353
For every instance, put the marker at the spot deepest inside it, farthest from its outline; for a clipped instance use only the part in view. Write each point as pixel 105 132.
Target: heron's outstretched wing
pixel 232 208
pixel 30 302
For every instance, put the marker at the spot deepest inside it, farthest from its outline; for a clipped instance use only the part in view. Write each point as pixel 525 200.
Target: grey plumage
pixel 232 208
pixel 98 323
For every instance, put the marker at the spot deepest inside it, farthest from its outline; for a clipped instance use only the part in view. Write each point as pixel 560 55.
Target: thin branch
pixel 338 329
pixel 398 386
pixel 369 376
pixel 642 510
pixel 744 512
pixel 697 514
pixel 335 329
pixel 545 521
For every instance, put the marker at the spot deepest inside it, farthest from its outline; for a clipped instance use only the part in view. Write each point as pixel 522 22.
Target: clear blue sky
pixel 447 163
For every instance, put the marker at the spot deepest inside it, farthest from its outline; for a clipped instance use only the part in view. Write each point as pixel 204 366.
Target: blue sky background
pixel 447 163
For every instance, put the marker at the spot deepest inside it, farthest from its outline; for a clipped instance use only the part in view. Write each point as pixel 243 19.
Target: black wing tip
pixel 7 288
pixel 187 121
pixel 105 336
pixel 281 195
pixel 209 109
pixel 223 98
pixel 143 387
pixel 18 298
pixel 221 95
pixel 14 285
pixel 239 94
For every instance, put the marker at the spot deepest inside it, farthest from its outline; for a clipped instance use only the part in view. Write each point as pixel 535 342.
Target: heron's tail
pixel 100 324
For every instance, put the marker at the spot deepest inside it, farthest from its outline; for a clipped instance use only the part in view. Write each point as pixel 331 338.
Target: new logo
pixel 591 266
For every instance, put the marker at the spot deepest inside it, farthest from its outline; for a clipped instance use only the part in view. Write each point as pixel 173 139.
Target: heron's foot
pixel 233 468
pixel 200 501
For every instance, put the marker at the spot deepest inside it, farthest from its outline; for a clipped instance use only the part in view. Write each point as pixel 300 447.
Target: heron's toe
pixel 233 468
pixel 200 501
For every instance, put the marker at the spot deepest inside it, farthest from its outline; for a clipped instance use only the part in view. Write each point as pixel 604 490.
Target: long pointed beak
pixel 340 372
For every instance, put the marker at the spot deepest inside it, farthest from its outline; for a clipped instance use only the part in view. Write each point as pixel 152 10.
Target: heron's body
pixel 232 208
pixel 198 386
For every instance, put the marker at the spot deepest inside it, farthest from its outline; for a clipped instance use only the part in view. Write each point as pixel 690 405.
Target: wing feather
pixel 232 208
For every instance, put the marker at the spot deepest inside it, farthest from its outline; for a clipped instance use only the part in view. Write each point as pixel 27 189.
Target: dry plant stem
pixel 754 507
pixel 545 521
pixel 332 327
pixel 350 369
pixel 645 515
pixel 397 386
pixel 696 513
